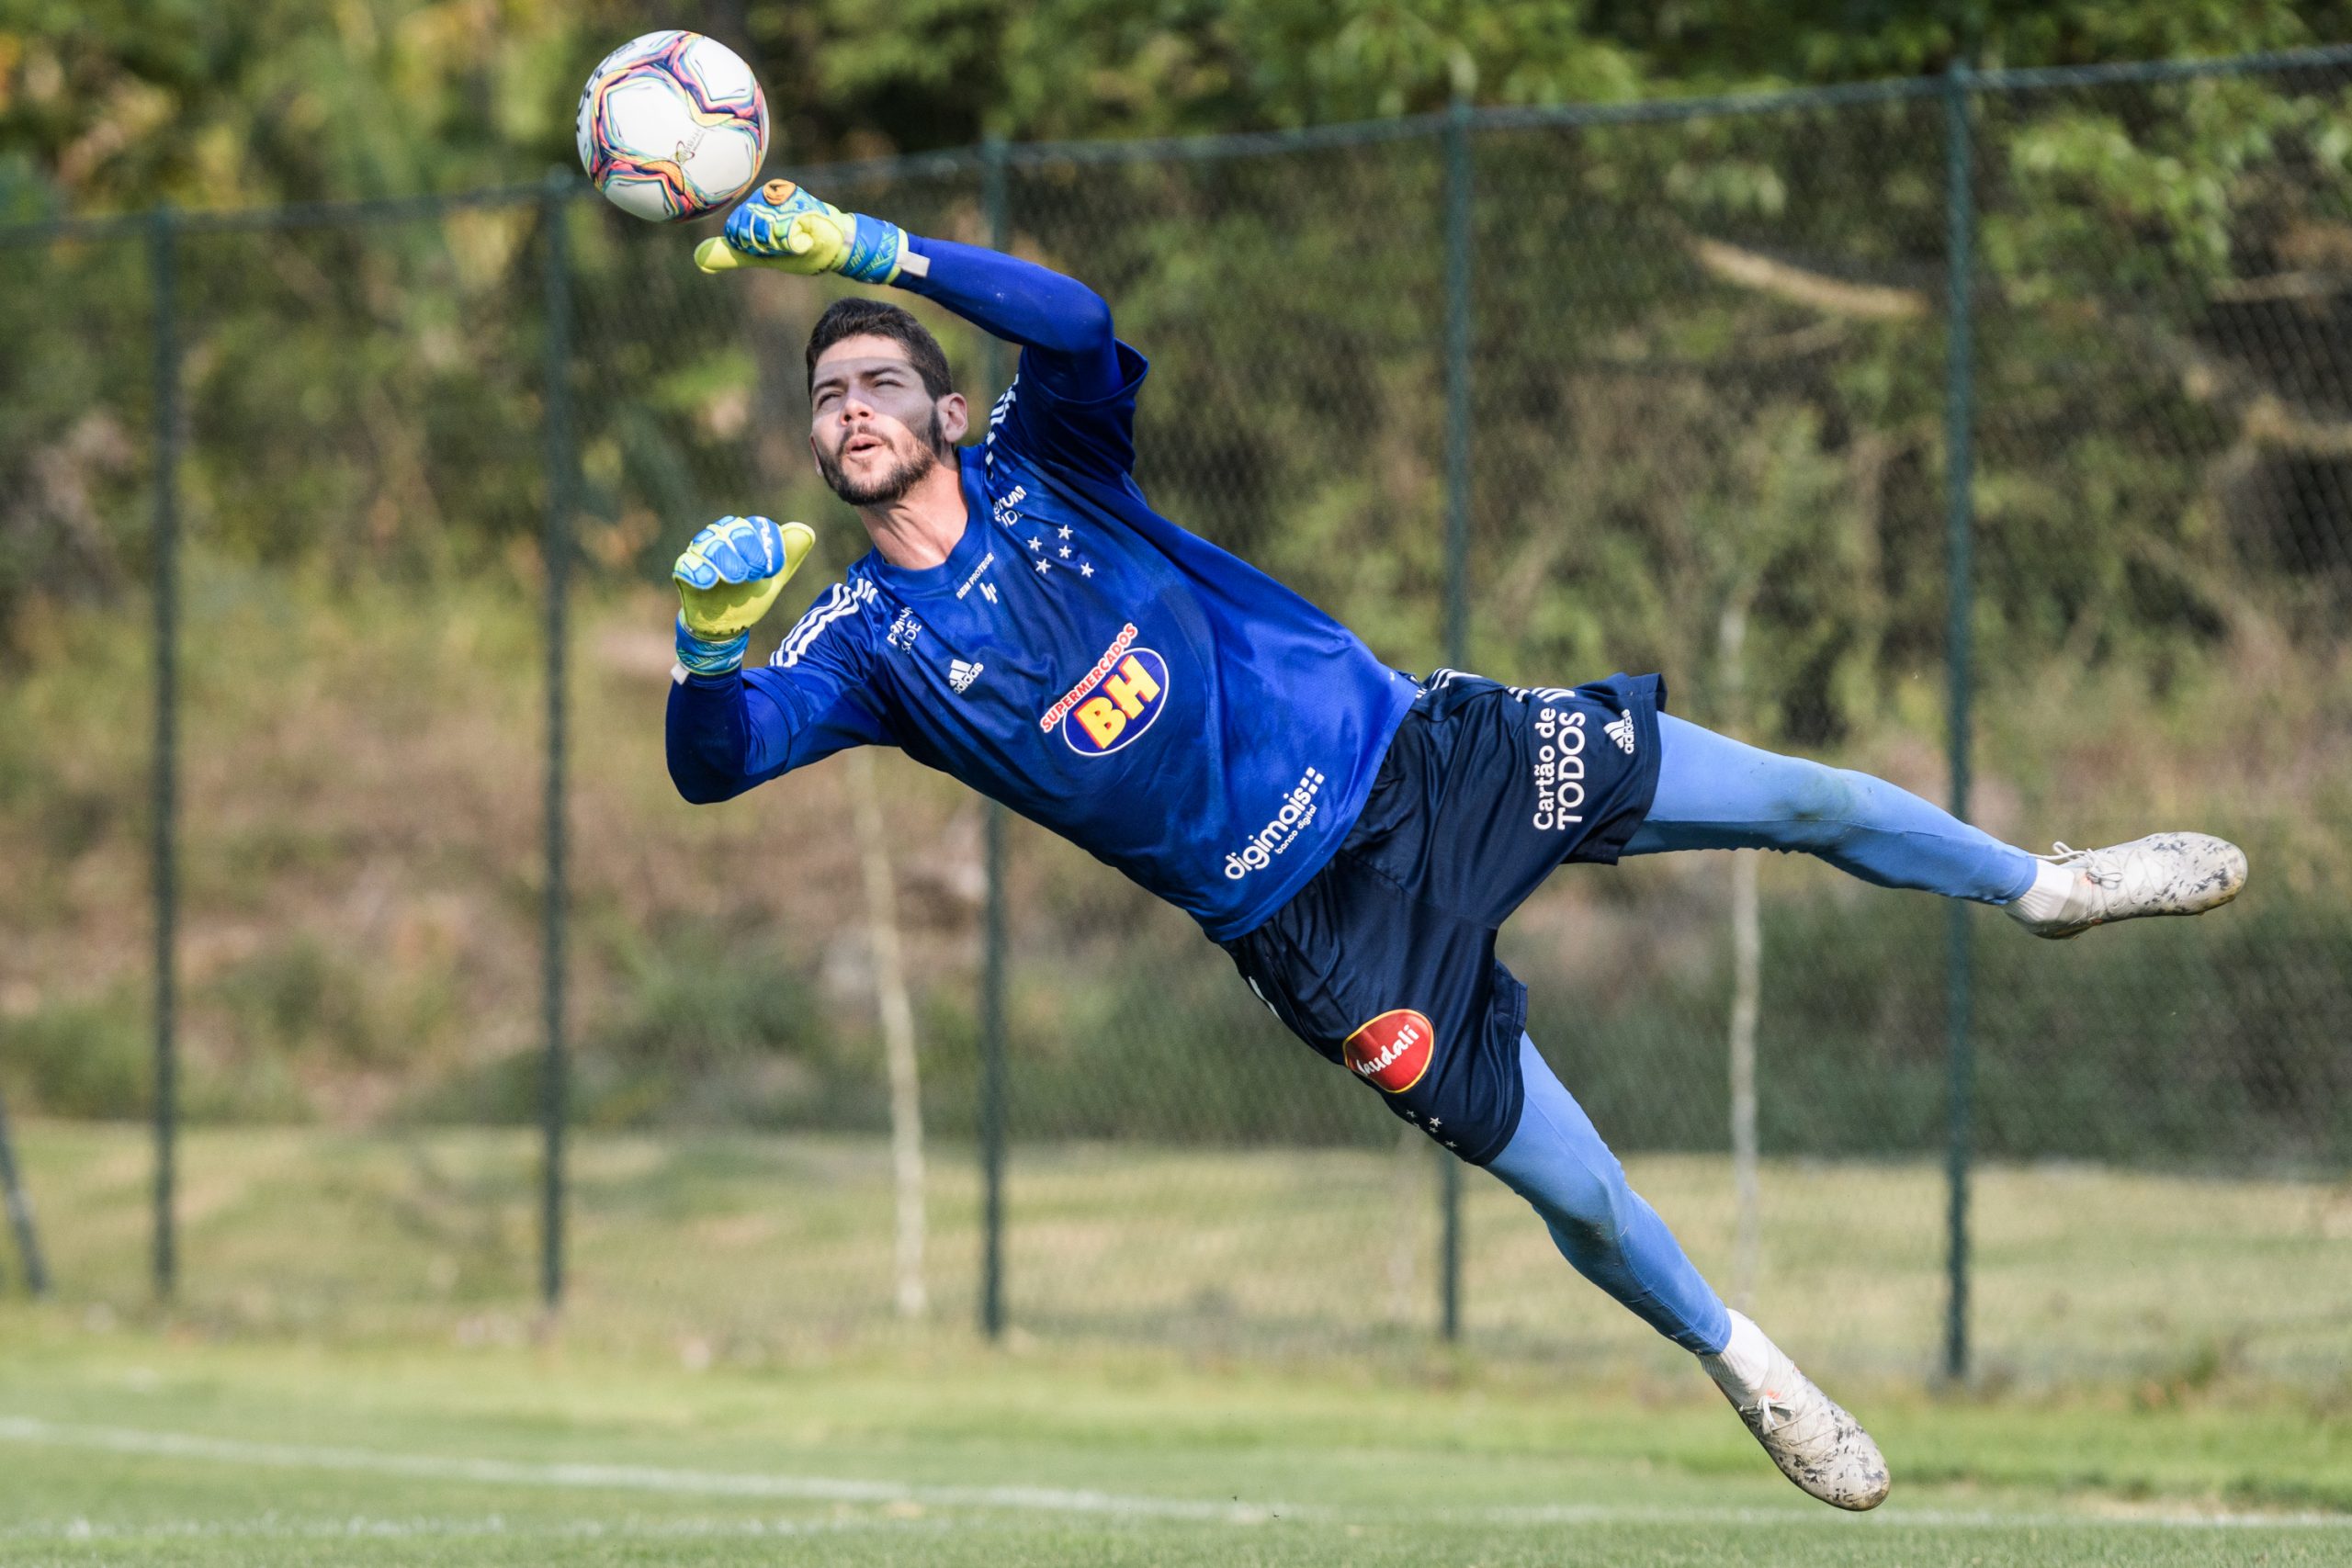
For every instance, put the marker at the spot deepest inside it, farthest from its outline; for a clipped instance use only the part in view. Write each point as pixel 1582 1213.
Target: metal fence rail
pixel 1955 394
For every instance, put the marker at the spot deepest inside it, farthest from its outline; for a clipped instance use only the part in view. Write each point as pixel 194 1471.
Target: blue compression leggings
pixel 1715 794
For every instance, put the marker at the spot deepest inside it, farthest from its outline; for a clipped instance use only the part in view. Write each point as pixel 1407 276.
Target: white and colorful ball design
pixel 672 125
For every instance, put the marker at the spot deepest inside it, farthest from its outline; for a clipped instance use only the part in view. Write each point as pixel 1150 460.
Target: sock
pixel 2046 900
pixel 1740 1368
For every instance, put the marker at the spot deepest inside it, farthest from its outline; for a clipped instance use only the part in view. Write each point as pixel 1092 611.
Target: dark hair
pixel 860 317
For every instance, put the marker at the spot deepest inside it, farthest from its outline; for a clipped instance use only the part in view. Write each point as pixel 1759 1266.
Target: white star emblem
pixel 1065 533
pixel 1044 566
pixel 1039 543
pixel 1435 1123
pixel 1086 569
pixel 1065 552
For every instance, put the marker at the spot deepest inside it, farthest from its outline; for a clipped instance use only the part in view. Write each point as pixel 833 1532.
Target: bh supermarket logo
pixel 1116 702
pixel 1393 1050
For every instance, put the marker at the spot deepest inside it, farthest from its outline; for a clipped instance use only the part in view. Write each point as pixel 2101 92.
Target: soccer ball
pixel 672 125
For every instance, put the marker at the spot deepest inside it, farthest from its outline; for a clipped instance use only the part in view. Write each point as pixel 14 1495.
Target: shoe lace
pixel 2088 862
pixel 1767 1401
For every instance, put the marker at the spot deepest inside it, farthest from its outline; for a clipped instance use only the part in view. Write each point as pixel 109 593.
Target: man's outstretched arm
pixel 728 730
pixel 1064 326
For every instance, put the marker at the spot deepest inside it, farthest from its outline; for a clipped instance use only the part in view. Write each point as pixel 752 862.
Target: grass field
pixel 742 1249
pixel 157 1448
pixel 1222 1359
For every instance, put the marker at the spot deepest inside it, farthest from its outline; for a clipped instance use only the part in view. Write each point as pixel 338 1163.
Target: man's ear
pixel 954 417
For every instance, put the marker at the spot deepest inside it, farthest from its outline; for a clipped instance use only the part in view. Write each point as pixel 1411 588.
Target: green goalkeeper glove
pixel 786 227
pixel 728 578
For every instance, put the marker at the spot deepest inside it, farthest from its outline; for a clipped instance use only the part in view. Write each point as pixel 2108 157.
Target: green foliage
pixel 713 1025
pixel 1708 429
pixel 2154 1044
pixel 78 1059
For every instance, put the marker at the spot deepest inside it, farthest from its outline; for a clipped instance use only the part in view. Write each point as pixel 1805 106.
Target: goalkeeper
pixel 1351 836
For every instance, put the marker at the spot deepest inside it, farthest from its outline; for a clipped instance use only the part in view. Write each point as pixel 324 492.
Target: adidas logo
pixel 1620 729
pixel 961 675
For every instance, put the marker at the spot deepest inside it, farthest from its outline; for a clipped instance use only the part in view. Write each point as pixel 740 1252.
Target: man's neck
pixel 921 527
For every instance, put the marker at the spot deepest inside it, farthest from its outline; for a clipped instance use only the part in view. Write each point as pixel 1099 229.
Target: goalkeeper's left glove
pixel 728 578
pixel 786 227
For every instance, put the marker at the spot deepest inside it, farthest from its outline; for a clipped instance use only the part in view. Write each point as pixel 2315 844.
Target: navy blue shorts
pixel 1385 960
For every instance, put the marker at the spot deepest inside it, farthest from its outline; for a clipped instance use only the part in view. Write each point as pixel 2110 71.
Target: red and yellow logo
pixel 1116 702
pixel 1393 1050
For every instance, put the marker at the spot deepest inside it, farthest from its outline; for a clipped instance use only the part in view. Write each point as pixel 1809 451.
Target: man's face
pixel 875 430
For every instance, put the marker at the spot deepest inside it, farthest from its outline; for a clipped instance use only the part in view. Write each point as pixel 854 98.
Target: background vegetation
pixel 1709 390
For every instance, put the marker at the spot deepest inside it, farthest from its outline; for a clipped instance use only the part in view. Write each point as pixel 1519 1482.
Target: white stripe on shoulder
pixel 842 598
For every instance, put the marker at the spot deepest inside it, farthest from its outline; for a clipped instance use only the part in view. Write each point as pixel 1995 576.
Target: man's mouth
pixel 856 445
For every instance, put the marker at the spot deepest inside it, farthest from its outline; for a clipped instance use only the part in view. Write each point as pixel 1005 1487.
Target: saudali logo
pixel 1393 1050
pixel 1116 702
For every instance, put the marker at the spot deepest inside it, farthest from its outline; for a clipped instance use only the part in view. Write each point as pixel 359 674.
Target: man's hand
pixel 786 227
pixel 728 578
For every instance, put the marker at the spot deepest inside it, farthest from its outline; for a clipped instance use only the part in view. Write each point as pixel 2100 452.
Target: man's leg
pixel 1714 792
pixel 1556 1161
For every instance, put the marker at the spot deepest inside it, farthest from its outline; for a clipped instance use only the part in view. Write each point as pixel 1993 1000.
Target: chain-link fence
pixel 1541 393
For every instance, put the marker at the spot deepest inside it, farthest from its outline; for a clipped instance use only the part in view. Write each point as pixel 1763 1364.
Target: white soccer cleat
pixel 1807 1433
pixel 2164 874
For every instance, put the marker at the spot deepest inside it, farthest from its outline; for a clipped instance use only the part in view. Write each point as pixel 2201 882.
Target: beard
pixel 907 469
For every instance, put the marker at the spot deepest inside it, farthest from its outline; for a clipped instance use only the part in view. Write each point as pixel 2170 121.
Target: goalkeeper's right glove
pixel 786 227
pixel 728 578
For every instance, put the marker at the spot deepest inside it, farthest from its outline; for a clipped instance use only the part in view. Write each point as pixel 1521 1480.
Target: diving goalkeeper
pixel 1349 835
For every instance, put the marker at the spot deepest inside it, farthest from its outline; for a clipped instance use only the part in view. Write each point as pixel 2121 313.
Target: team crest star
pixel 1038 542
pixel 1086 569
pixel 1044 566
pixel 1065 532
pixel 1065 552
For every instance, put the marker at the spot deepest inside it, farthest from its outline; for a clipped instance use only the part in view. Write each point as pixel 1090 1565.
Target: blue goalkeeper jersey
pixel 1161 704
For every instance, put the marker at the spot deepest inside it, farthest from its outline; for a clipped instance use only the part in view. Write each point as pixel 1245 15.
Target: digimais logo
pixel 1296 814
pixel 1393 1050
pixel 1116 702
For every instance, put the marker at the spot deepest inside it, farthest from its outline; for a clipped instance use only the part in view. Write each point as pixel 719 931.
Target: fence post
pixel 994 199
pixel 20 1214
pixel 161 251
pixel 556 545
pixel 1457 589
pixel 1960 397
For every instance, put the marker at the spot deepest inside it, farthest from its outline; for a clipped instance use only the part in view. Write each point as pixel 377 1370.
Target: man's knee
pixel 1818 805
pixel 1580 1191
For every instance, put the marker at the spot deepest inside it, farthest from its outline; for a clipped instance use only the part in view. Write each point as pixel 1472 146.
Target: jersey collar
pixel 927 581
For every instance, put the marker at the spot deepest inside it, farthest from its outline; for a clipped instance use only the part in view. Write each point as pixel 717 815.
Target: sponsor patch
pixel 1559 769
pixel 1117 700
pixel 1392 1050
pixel 972 581
pixel 1296 815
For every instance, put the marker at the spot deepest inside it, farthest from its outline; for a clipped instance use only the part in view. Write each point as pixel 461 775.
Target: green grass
pixel 126 1447
pixel 754 1248
pixel 1221 1357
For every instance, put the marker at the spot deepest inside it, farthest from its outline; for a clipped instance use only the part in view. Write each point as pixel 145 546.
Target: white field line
pixel 361 1526
pixel 616 1477
pixel 666 1480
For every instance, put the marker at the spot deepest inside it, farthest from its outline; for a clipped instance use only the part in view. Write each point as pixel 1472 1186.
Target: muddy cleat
pixel 1809 1435
pixel 2164 874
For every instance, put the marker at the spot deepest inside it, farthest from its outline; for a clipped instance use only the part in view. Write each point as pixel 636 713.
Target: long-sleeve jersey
pixel 1161 704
